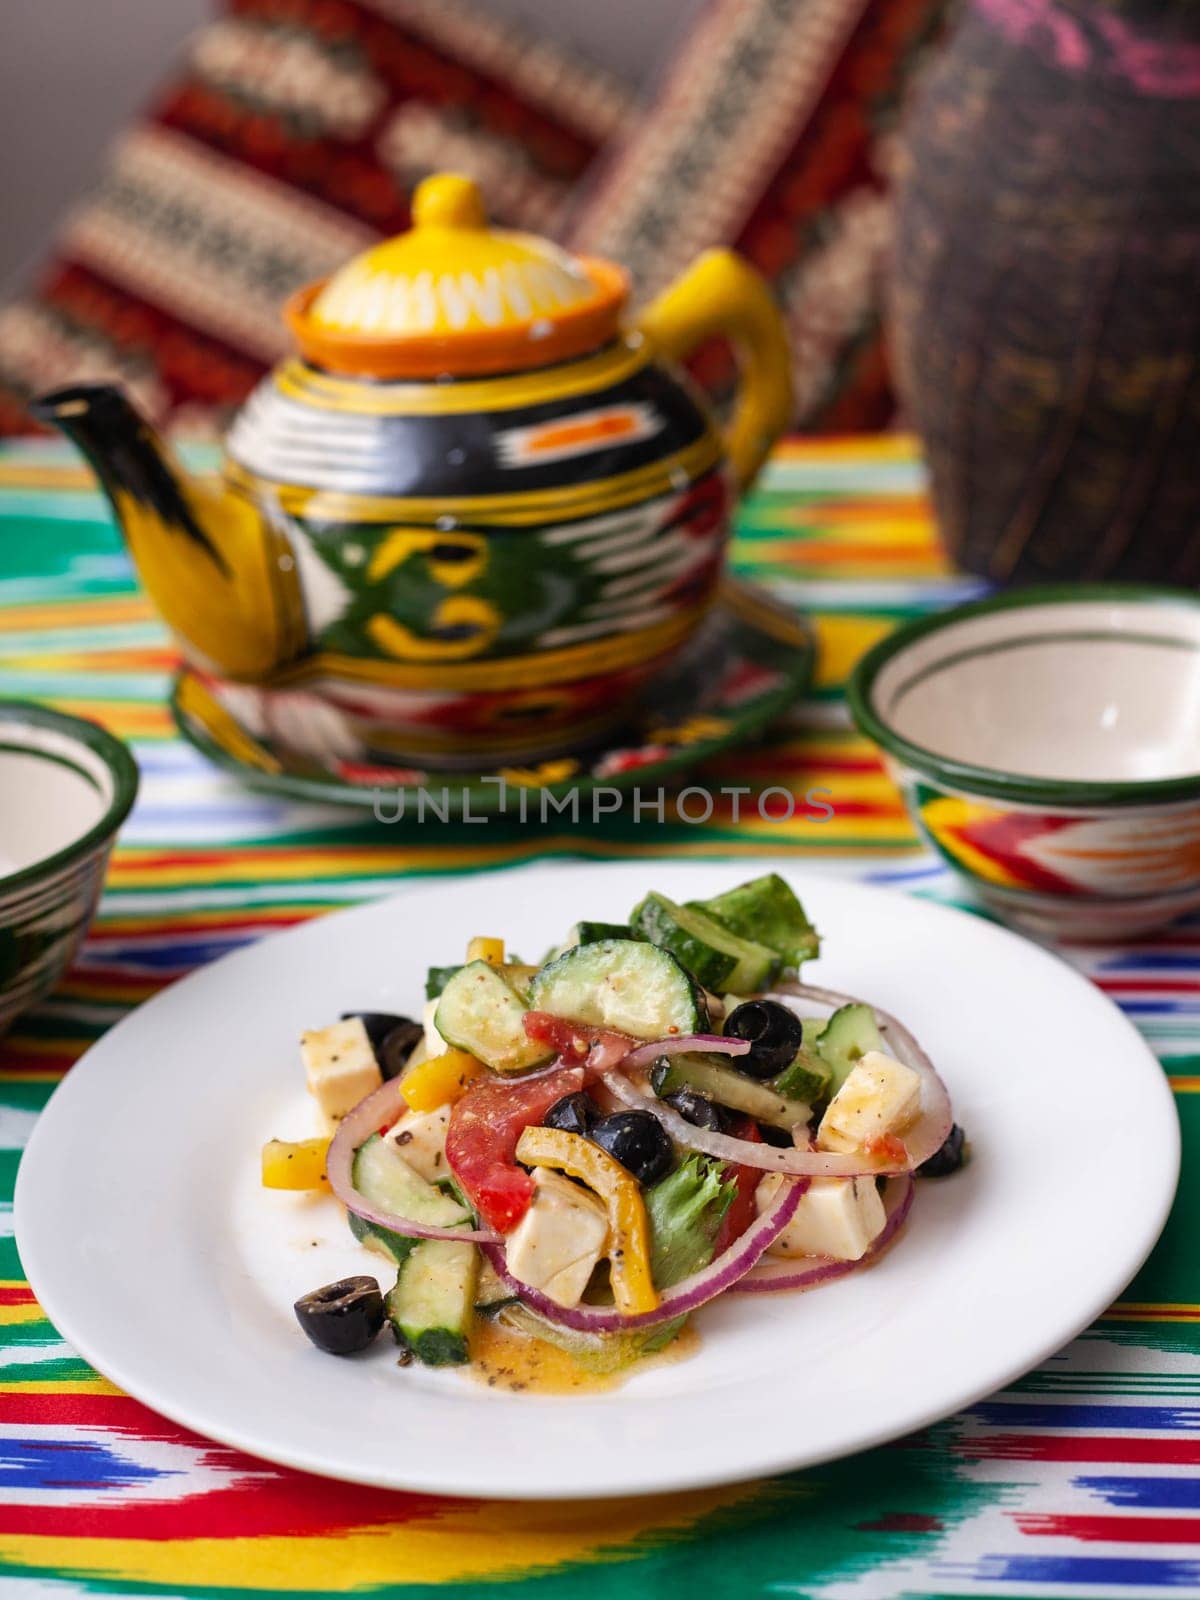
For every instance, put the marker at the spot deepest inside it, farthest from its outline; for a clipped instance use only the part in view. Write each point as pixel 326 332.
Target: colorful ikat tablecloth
pixel 1082 1479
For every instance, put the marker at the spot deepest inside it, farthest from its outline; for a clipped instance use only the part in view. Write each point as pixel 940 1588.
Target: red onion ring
pixel 709 1043
pixel 778 1274
pixel 608 1050
pixel 380 1109
pixel 728 1268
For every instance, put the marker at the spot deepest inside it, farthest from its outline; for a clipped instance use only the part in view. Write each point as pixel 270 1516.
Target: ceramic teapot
pixel 472 513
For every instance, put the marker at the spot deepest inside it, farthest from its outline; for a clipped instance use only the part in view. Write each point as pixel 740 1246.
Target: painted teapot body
pixel 473 513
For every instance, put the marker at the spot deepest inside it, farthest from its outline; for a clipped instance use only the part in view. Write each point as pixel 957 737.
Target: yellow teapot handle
pixel 721 293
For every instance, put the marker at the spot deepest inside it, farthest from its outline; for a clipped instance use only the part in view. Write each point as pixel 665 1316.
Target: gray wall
pixel 72 71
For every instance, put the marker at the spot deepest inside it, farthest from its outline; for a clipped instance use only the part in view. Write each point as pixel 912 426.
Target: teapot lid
pixel 454 296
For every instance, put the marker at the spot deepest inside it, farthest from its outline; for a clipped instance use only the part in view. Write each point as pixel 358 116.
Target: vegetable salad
pixel 592 1148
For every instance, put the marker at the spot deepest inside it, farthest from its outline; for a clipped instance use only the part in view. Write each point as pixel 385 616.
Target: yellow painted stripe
pixel 18 474
pixel 859 449
pixel 42 1046
pixel 131 871
pixel 1148 1311
pixel 94 1385
pixel 194 700
pixel 12 1315
pixel 58 614
pixel 842 643
pixel 568 379
pixel 455 1543
pixel 592 658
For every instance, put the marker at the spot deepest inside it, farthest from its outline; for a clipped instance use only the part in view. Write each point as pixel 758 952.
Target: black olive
pixel 948 1159
pixel 574 1113
pixel 398 1044
pixel 378 1025
pixel 638 1141
pixel 698 1109
pixel 776 1136
pixel 342 1317
pixel 775 1035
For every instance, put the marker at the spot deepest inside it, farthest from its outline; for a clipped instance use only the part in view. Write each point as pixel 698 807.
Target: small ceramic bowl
pixel 65 788
pixel 1048 745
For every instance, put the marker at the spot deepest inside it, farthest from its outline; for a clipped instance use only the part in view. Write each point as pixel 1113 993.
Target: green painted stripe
pixel 11 1269
pixel 60 1369
pixel 28 1336
pixel 20 1095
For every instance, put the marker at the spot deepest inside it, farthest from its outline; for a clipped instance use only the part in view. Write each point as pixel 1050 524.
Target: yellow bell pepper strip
pixel 629 1258
pixel 299 1165
pixel 439 1080
pixel 489 950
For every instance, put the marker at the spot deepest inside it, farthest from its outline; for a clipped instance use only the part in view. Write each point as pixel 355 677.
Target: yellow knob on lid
pixel 454 295
pixel 448 200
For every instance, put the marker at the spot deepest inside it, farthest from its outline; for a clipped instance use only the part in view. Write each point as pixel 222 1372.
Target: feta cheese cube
pixel 879 1096
pixel 435 1045
pixel 557 1243
pixel 340 1066
pixel 420 1137
pixel 836 1217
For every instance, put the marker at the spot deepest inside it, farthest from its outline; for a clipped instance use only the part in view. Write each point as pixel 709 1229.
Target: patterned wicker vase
pixel 1046 288
pixel 475 512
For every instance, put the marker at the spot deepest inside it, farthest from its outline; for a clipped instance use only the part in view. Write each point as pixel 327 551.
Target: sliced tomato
pixel 599 1049
pixel 742 1210
pixel 481 1141
pixel 568 1039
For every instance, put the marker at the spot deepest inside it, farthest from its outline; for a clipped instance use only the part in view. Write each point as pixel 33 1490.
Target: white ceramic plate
pixel 154 1251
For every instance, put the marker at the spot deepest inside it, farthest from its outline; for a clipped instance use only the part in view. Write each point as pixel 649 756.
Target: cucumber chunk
pixel 847 1036
pixel 432 1303
pixel 727 1088
pixel 624 984
pixel 716 958
pixel 807 1078
pixel 767 911
pixel 492 1294
pixel 382 1176
pixel 593 932
pixel 395 1246
pixel 482 1012
pixel 813 1027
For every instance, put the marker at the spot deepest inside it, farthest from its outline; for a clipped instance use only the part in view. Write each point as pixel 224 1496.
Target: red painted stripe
pixel 14 1059
pixel 1160 986
pixel 115 1411
pixel 273 1502
pixel 1114 1530
pixel 1090 1447
pixel 17 1294
pixel 129 931
pixel 258 1499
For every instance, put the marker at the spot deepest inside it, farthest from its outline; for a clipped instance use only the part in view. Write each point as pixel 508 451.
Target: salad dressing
pixel 507 1358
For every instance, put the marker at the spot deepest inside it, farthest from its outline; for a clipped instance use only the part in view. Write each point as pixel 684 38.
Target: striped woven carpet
pixel 1083 1479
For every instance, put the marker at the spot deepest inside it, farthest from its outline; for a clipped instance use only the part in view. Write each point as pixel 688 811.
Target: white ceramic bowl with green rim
pixel 66 786
pixel 1047 742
